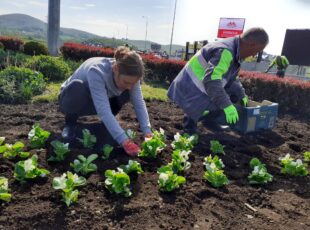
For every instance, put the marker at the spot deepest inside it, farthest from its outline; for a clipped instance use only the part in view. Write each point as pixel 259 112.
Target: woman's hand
pixel 131 148
pixel 148 136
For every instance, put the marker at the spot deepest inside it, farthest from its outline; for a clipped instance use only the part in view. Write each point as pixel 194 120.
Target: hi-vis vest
pixel 215 61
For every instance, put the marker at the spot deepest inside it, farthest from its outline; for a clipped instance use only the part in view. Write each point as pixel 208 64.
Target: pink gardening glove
pixel 131 148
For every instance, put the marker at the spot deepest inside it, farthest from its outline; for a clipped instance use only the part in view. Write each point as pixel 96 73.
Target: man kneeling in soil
pixel 208 85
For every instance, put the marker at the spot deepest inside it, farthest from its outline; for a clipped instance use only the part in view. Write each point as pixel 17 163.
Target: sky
pixel 195 20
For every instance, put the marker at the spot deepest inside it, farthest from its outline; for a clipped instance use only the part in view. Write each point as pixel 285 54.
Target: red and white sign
pixel 230 27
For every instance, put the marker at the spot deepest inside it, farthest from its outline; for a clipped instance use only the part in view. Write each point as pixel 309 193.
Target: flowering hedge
pixel 77 52
pixel 156 68
pixel 162 69
pixel 292 95
pixel 11 43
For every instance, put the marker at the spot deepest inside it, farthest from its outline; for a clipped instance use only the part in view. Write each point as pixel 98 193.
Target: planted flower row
pixel 171 176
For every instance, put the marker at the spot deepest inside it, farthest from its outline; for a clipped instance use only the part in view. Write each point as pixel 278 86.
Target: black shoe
pixel 69 132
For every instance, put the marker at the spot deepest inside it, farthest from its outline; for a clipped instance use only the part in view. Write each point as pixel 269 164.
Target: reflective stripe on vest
pixel 198 65
pixel 196 69
pixel 223 65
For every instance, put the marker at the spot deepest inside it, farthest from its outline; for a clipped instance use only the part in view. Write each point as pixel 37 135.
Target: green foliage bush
pixel 74 65
pixel 11 58
pixel 35 48
pixel 1 46
pixel 19 85
pixel 54 69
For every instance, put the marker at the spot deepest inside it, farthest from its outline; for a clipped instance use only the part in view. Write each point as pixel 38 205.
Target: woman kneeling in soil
pixel 102 86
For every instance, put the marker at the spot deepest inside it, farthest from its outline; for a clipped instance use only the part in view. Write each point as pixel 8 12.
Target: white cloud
pixel 160 7
pixel 18 4
pixel 77 8
pixel 90 5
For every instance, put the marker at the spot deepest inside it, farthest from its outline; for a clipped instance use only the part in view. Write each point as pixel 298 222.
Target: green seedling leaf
pixel 84 165
pixel 4 189
pixel 107 149
pixel 179 161
pixel 60 149
pixel 169 181
pixel 216 160
pixel 152 146
pixel 184 142
pixel 259 175
pixel 130 133
pixel 28 169
pixel 16 150
pixel 88 140
pixel 67 183
pixel 38 136
pixel 215 176
pixel 293 168
pixel 2 139
pixel 132 166
pixel 217 147
pixel 307 156
pixel 117 182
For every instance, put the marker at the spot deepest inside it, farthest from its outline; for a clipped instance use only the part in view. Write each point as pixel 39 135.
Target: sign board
pixel 296 46
pixel 230 27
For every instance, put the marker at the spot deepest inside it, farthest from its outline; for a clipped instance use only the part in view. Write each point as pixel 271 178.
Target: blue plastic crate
pixel 257 116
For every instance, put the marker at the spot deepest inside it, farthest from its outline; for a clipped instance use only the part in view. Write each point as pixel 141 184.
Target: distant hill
pixel 34 29
pixel 27 26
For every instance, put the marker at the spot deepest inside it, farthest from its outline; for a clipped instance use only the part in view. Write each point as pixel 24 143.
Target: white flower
pixel 28 165
pixel 163 177
pixel 177 137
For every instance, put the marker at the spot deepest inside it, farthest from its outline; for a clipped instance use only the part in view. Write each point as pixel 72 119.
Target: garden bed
pixel 282 204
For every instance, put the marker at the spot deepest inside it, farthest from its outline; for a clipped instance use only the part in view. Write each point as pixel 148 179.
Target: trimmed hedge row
pixel 77 52
pixel 292 95
pixel 11 43
pixel 156 68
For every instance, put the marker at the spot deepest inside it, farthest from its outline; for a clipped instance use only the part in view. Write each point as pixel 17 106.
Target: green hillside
pixel 31 28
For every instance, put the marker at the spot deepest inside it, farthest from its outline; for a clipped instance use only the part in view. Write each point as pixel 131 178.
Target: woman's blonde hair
pixel 129 62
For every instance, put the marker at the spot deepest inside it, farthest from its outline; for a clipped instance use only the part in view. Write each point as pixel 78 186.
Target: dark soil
pixel 282 204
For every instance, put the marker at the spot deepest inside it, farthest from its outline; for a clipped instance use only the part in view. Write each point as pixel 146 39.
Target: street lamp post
pixel 146 24
pixel 175 7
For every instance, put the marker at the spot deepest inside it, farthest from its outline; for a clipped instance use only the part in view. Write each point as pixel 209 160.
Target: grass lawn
pixel 149 91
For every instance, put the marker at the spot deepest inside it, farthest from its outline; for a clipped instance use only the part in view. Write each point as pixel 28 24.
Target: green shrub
pixel 35 48
pixel 1 46
pixel 18 85
pixel 11 58
pixel 53 69
pixel 73 65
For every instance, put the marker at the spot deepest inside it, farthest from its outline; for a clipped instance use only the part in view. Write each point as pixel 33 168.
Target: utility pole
pixel 53 25
pixel 175 9
pixel 146 24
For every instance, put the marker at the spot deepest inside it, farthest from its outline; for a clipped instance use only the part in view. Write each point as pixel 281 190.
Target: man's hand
pixel 231 114
pixel 131 148
pixel 245 101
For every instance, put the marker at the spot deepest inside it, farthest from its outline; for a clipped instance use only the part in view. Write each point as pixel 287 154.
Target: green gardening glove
pixel 231 114
pixel 245 101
